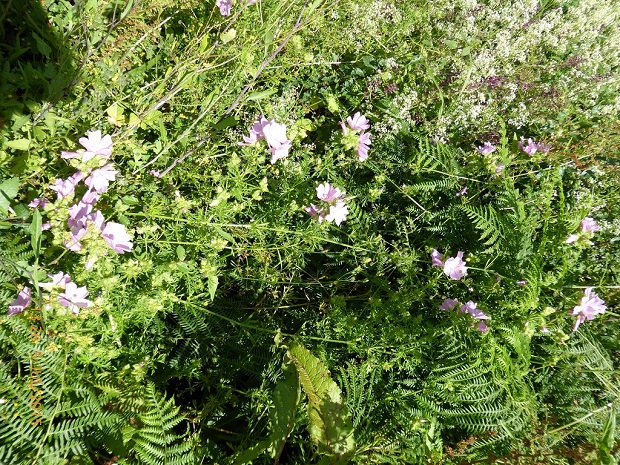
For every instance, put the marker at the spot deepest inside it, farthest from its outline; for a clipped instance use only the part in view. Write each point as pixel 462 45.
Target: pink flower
pixel 472 308
pixel 116 236
pixel 59 280
pixel 78 214
pixel 572 238
pixel 328 193
pixel 155 173
pixel 482 327
pixel 100 178
pixel 589 225
pixel 21 302
pixel 38 202
pixel 66 187
pixel 463 191
pixel 362 148
pixel 455 267
pixel 224 6
pixel 590 306
pixel 358 122
pixel 449 304
pixel 337 213
pixel 314 211
pixel 531 148
pixel 94 145
pixel 273 133
pixel 46 226
pixel 74 297
pixel 436 258
pixel 486 149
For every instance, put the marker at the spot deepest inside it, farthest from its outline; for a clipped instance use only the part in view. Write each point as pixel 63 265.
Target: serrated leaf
pixel 330 424
pixel 282 416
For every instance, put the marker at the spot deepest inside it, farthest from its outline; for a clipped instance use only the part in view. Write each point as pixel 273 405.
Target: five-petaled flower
pixel 21 302
pixel 94 145
pixel 486 149
pixel 590 306
pixel 454 267
pixel 273 133
pixel 74 297
pixel 334 210
pixel 358 123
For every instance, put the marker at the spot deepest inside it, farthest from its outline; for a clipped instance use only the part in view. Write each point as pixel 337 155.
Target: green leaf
pixel 45 49
pixel 607 440
pixel 181 253
pixel 282 416
pixel 451 44
pixel 261 95
pixel 213 282
pixel 330 424
pixel 35 232
pixel 19 144
pixel 8 191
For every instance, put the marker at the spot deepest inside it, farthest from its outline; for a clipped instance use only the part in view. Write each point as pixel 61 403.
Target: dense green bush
pixel 261 290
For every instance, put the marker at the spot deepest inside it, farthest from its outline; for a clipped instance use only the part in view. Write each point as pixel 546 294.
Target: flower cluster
pixel 453 267
pixel 334 208
pixel 472 309
pixel 62 287
pixel 273 133
pixel 588 226
pixel 530 147
pixel 590 306
pixel 357 138
pixel 97 173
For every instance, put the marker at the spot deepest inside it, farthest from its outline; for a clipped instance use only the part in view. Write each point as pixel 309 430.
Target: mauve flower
pixel 358 122
pixel 463 191
pixel 482 327
pixel 38 202
pixel 589 225
pixel 522 282
pixel 100 178
pixel 572 238
pixel 280 151
pixel 455 267
pixel 21 302
pixel 77 234
pixel 94 145
pixel 337 213
pixel 531 148
pixel 66 187
pixel 590 306
pixel 224 6
pixel 74 297
pixel 78 214
pixel 362 148
pixel 116 236
pixel 328 193
pixel 472 308
pixel 436 258
pixel 500 167
pixel 46 226
pixel 449 304
pixel 59 280
pixel 486 149
pixel 314 211
pixel 155 173
pixel 544 148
